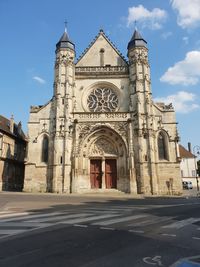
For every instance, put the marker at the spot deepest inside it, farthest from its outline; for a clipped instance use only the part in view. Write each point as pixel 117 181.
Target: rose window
pixel 102 100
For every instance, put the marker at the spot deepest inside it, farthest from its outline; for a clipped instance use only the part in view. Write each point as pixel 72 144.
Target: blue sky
pixel 29 30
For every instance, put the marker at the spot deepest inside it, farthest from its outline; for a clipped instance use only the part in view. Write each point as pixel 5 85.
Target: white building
pixel 101 131
pixel 188 165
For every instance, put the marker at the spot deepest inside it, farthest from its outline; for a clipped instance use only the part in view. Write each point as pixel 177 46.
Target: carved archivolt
pixel 100 139
pixel 85 129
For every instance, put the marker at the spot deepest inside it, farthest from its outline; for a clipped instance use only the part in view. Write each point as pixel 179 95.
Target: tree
pixel 198 167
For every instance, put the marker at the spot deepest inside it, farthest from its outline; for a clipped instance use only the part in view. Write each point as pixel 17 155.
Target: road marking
pixel 107 228
pixel 195 237
pixel 156 260
pixel 4 212
pixel 81 225
pixel 151 220
pixel 92 218
pixel 180 224
pixel 99 210
pixel 12 231
pixel 8 215
pixel 172 235
pixel 60 217
pixel 136 231
pixel 118 220
pixel 23 224
pixel 30 216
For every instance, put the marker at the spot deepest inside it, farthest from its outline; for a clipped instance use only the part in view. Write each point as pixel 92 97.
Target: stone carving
pixel 140 56
pixel 102 69
pixel 101 147
pixel 84 129
pixel 170 106
pixel 121 128
pixel 64 59
pixel 147 99
pixel 102 100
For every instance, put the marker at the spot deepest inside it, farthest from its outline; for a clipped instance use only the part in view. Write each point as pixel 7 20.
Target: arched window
pixel 162 150
pixel 45 145
pixel 101 56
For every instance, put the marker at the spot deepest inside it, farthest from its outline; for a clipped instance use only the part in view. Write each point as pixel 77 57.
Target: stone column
pixel 133 185
pixel 103 169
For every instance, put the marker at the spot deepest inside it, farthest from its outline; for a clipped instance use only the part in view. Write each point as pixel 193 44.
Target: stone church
pixel 101 131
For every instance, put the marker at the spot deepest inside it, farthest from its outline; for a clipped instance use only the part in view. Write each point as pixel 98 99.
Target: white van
pixel 187 185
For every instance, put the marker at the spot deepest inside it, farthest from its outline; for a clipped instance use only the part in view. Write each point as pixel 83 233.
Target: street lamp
pixel 196 153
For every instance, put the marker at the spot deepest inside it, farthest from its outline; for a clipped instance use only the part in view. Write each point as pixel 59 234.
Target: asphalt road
pixel 87 231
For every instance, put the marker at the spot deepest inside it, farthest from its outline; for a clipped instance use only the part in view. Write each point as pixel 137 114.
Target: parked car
pixel 187 185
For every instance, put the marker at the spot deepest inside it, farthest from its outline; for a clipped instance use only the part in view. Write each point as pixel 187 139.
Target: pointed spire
pixel 65 26
pixel 135 25
pixel 64 41
pixel 136 40
pixel 101 30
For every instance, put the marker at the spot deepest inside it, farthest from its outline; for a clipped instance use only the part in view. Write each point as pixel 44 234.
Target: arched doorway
pixel 103 155
pixel 103 160
pixel 97 171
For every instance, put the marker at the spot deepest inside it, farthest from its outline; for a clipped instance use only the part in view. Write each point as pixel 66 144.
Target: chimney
pixel 189 147
pixel 12 124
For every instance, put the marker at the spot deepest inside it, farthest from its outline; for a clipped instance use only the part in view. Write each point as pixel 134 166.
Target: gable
pixel 184 153
pixel 101 48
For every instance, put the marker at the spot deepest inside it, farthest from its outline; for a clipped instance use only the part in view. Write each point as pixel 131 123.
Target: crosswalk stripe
pixel 182 223
pixel 61 217
pixel 116 208
pixel 8 215
pixel 92 218
pixel 4 212
pixel 24 224
pixel 11 231
pixel 14 218
pixel 101 210
pixel 150 221
pixel 118 220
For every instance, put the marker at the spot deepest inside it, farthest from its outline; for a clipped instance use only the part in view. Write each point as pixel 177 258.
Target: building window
pixel 194 173
pixel 45 145
pixel 102 100
pixel 101 56
pixel 162 153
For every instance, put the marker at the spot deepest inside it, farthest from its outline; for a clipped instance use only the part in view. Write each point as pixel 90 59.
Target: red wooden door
pixel 111 173
pixel 95 173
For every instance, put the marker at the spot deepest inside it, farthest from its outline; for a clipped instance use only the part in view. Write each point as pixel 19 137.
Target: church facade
pixel 101 131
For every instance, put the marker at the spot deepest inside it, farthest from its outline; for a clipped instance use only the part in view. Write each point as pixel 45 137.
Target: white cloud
pixel 182 101
pixel 188 12
pixel 185 72
pixel 166 35
pixel 39 79
pixel 150 19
